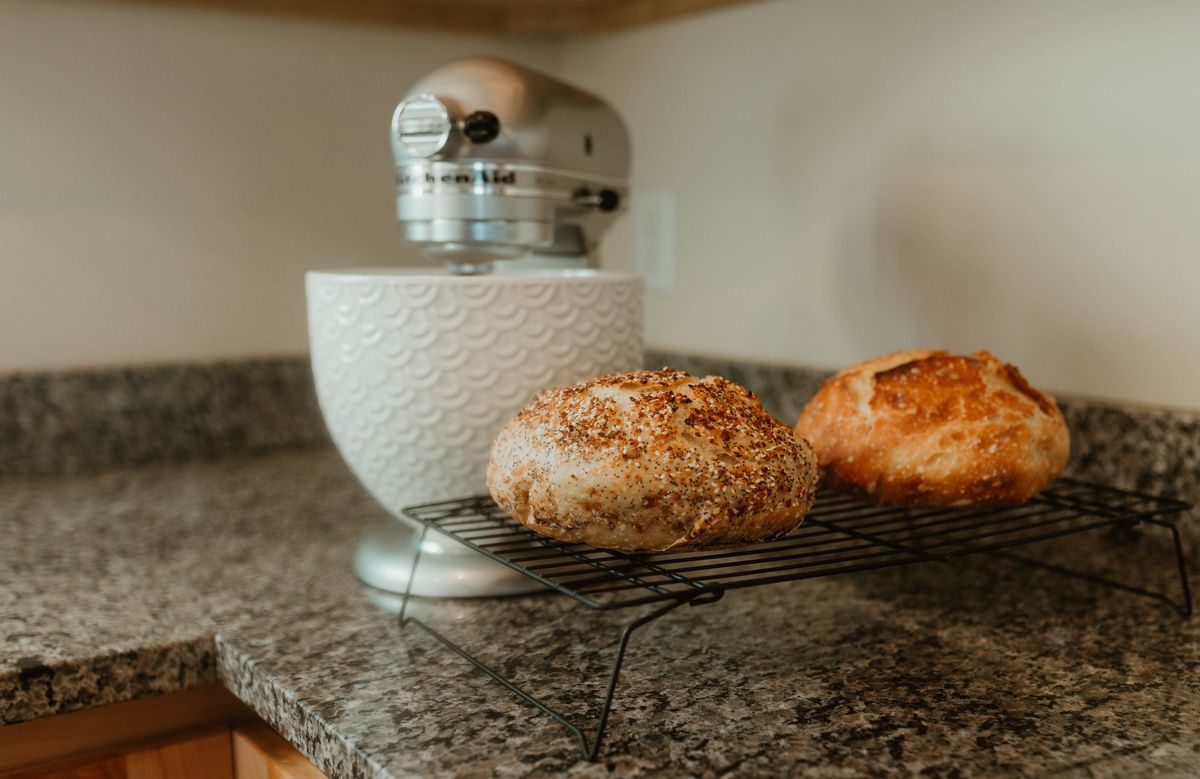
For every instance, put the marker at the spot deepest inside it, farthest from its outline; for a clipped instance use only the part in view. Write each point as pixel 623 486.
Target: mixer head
pixel 495 162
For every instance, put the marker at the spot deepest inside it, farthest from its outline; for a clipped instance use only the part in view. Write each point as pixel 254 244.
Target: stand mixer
pixel 506 178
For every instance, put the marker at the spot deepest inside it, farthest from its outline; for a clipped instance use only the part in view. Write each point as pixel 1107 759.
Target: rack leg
pixel 412 575
pixel 591 753
pixel 588 750
pixel 1180 563
pixel 1184 608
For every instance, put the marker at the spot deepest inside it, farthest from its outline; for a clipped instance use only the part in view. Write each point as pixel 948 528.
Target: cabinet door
pixel 261 753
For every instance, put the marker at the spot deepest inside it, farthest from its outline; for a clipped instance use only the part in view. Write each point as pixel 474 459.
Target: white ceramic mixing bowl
pixel 416 370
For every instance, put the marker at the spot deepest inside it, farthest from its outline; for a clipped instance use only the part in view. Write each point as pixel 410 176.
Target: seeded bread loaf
pixel 651 461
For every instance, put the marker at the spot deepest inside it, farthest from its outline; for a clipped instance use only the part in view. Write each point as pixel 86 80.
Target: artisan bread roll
pixel 649 461
pixel 929 428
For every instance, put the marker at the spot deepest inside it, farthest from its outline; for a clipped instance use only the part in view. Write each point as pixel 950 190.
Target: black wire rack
pixel 840 535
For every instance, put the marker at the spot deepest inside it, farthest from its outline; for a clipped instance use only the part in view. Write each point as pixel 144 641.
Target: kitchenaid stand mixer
pixel 507 178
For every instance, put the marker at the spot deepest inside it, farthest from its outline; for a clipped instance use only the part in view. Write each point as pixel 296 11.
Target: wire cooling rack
pixel 839 536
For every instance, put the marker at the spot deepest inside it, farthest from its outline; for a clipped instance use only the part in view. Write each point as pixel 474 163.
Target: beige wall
pixel 857 177
pixel 851 177
pixel 167 175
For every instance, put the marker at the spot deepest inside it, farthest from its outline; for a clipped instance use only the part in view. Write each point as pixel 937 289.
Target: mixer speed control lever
pixel 606 199
pixel 481 127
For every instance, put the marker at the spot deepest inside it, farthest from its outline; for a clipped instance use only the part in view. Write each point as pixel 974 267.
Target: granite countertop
pixel 149 580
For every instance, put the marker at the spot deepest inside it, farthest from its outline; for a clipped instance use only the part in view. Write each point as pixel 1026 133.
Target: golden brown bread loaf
pixel 928 428
pixel 650 461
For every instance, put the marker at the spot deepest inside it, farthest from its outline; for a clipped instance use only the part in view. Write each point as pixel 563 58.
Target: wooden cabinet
pixel 518 17
pixel 197 734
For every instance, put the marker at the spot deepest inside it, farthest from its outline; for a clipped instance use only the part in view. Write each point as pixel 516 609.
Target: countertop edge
pixel 291 717
pixel 45 688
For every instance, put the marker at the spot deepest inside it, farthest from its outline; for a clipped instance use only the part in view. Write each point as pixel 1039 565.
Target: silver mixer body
pixel 497 162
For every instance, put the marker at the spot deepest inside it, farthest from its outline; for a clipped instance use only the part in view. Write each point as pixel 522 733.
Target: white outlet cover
pixel 654 238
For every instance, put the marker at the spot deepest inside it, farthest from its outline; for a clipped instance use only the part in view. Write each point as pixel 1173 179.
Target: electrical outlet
pixel 654 239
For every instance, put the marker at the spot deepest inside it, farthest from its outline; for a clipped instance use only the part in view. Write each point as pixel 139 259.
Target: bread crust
pixel 652 461
pixel 929 428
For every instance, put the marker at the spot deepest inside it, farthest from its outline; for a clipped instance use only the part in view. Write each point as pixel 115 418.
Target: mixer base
pixel 448 569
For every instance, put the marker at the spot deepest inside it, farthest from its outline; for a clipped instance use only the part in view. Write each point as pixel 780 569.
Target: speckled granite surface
pixel 142 581
pixel 89 420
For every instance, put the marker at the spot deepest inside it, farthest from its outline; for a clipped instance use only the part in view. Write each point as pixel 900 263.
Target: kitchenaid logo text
pixel 472 177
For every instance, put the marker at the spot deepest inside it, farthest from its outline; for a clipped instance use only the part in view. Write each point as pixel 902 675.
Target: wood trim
pixel 106 768
pixel 207 754
pixel 546 18
pixel 261 753
pixel 117 727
